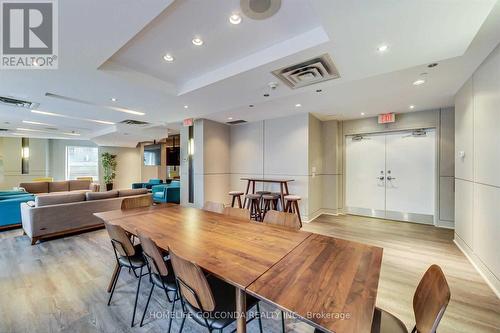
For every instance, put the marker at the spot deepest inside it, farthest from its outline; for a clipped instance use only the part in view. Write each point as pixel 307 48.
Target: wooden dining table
pixel 282 182
pixel 328 282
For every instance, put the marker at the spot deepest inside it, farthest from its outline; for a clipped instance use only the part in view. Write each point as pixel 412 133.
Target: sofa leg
pixel 34 240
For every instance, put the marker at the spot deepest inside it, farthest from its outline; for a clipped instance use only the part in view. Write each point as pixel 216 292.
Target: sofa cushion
pixel 101 195
pixel 79 185
pixel 62 186
pixel 55 199
pixel 129 192
pixel 35 187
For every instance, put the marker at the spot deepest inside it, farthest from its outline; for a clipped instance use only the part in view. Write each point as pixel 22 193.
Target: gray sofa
pixel 66 212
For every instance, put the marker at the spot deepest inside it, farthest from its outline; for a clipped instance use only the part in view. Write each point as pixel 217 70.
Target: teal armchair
pixel 10 207
pixel 167 192
pixel 148 185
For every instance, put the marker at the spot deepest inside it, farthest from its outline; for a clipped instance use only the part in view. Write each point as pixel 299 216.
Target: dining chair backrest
pixel 215 207
pixel 153 255
pixel 284 219
pixel 430 300
pixel 239 213
pixel 137 202
pixel 120 240
pixel 193 284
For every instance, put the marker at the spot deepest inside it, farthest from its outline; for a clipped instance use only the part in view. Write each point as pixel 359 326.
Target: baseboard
pixel 319 212
pixel 491 280
pixel 446 224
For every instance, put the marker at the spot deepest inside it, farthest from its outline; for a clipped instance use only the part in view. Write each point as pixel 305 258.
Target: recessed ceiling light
pixel 298 105
pixel 197 41
pixel 419 82
pixel 113 99
pixel 185 106
pixel 362 113
pixel 412 107
pixel 382 48
pixel 35 123
pixel 229 118
pixel 251 105
pixel 235 19
pixel 319 90
pixel 434 64
pixel 168 57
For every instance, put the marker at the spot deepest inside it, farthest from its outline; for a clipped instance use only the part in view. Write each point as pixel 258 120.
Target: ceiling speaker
pixel 260 9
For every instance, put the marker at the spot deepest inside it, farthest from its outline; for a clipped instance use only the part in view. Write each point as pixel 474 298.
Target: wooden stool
pixel 253 204
pixel 292 205
pixel 270 202
pixel 236 194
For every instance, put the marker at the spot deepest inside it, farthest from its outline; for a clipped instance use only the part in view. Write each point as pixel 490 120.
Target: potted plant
pixel 109 167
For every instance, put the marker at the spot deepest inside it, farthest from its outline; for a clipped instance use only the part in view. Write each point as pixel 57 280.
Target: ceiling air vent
pixel 134 122
pixel 17 102
pixel 236 122
pixel 308 72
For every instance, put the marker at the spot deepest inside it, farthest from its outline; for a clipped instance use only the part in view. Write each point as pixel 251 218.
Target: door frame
pixel 395 215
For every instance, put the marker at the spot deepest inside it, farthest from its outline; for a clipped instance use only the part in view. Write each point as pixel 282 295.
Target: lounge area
pixel 250 166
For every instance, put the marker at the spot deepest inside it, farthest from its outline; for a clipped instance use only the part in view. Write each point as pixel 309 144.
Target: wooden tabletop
pixel 268 180
pixel 330 283
pixel 235 250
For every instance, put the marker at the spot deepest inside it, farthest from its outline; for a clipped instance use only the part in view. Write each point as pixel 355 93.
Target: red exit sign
pixel 187 122
pixel 386 118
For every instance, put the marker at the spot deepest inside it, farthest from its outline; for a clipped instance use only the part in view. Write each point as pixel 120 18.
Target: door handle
pixel 381 178
pixel 390 178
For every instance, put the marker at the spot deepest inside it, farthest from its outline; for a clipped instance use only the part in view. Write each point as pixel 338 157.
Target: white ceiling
pixel 114 48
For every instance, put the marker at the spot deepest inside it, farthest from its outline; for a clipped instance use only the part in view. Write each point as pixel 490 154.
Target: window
pixel 82 162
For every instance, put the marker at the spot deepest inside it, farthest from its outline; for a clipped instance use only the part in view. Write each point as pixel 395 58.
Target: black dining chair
pixel 126 255
pixel 161 274
pixel 210 301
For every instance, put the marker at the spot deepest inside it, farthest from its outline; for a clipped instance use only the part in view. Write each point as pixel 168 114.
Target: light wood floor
pixel 60 285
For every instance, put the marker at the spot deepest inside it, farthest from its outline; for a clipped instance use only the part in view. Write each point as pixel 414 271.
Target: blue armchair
pixel 148 185
pixel 10 207
pixel 167 192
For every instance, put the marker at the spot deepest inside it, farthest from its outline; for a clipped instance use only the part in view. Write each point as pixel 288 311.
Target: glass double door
pixel 392 175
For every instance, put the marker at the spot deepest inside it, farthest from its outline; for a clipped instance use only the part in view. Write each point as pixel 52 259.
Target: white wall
pixel 477 183
pixel 10 156
pixel 274 148
pixel 128 169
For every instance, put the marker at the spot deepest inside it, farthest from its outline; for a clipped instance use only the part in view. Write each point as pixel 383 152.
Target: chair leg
pixel 239 202
pixel 147 304
pixel 232 201
pixel 260 317
pixel 183 321
pixel 117 275
pixel 136 297
pixel 297 211
pixel 172 309
pixel 283 322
